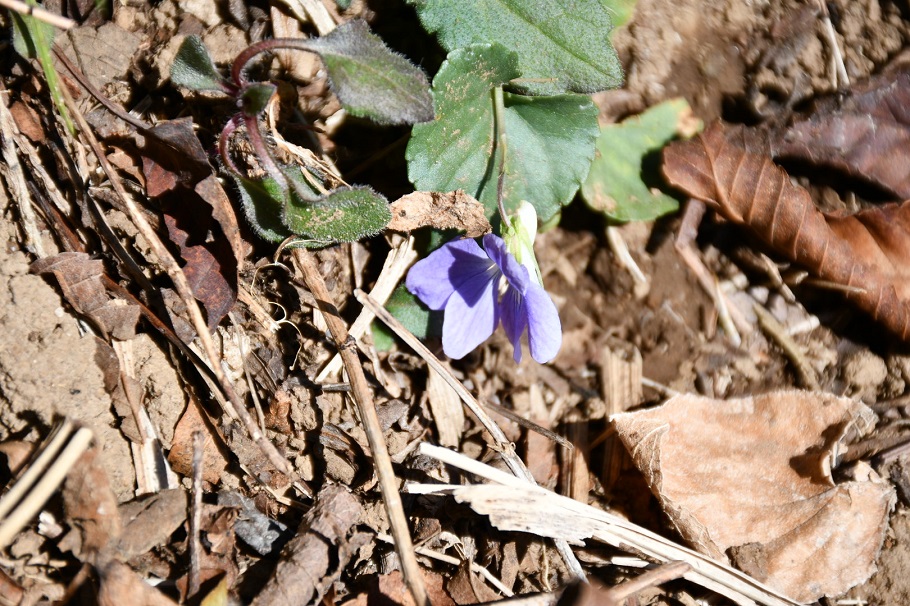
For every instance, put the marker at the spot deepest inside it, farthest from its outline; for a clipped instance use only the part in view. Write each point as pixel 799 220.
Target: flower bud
pixel 519 238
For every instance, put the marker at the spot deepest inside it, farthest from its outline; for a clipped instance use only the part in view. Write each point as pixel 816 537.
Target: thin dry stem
pixel 38 13
pixel 503 444
pixel 194 578
pixel 363 398
pixel 794 353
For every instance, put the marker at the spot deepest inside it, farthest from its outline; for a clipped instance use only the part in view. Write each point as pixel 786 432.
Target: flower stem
pixel 499 144
pixel 225 139
pixel 238 68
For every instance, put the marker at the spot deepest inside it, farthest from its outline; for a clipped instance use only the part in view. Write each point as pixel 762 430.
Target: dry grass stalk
pixel 516 506
pixel 363 398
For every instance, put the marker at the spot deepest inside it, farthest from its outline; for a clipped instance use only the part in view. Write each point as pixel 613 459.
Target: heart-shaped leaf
pixel 370 80
pixel 621 184
pixel 550 139
pixel 344 215
pixel 193 68
pixel 562 46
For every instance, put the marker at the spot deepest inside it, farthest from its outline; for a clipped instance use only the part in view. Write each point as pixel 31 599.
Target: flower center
pixel 503 286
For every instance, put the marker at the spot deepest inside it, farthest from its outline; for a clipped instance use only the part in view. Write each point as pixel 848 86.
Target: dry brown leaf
pixel 181 456
pixel 452 210
pixel 91 507
pixel 120 586
pixel 79 277
pixel 752 477
pixel 316 556
pixel 866 252
pixel 865 135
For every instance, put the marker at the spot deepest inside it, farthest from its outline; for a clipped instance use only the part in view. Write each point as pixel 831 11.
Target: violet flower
pixel 478 287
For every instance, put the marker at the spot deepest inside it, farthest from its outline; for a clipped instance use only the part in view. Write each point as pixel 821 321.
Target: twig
pixel 360 392
pixel 773 329
pixel 16 179
pixel 621 251
pixel 233 406
pixel 313 11
pixel 396 263
pixel 503 445
pixel 659 387
pixel 38 13
pixel 193 580
pixel 615 596
pixel 546 513
pixel 447 559
pixel 841 80
pixel 45 474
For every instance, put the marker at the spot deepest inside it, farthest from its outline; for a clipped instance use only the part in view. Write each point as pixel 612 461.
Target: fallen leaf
pixel 197 212
pixel 79 277
pixel 621 183
pixel 312 561
pixel 181 455
pixel 865 135
pixel 120 585
pixel 730 169
pixel 91 507
pixel 452 210
pixel 751 478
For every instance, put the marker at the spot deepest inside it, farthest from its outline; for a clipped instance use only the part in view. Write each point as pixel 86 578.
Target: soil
pixel 746 62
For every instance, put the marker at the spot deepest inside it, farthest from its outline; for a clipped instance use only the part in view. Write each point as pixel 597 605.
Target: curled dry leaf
pixel 79 277
pixel 452 210
pixel 732 171
pixel 750 479
pixel 866 135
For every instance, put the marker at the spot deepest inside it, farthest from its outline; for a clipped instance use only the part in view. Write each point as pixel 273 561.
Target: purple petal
pixel 471 315
pixel 514 319
pixel 434 279
pixel 515 272
pixel 544 327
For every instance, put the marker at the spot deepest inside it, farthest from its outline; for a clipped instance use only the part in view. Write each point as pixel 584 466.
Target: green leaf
pixel 343 215
pixel 550 140
pixel 562 46
pixel 256 97
pixel 370 80
pixel 33 39
pixel 416 317
pixel 263 204
pixel 193 67
pixel 622 182
pixel 618 183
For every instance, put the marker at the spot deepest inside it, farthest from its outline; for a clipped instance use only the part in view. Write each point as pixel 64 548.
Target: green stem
pixel 499 146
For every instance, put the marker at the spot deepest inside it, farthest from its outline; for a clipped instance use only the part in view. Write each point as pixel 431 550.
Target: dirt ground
pixel 746 62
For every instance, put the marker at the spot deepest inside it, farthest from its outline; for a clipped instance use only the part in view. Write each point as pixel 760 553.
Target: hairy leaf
pixel 344 215
pixel 550 139
pixel 263 204
pixel 866 251
pixel 866 135
pixel 619 184
pixel 562 46
pixel 193 68
pixel 371 80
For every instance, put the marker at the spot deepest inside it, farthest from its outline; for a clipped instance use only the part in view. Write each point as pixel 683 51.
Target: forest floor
pixel 125 525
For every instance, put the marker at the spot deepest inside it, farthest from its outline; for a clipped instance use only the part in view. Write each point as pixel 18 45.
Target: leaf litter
pixel 310 421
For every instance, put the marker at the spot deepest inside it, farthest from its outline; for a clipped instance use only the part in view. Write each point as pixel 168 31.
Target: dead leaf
pixel 150 520
pixel 866 252
pixel 452 210
pixel 312 561
pixel 197 212
pixel 865 135
pixel 751 477
pixel 181 455
pixel 91 508
pixel 120 585
pixel 79 277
